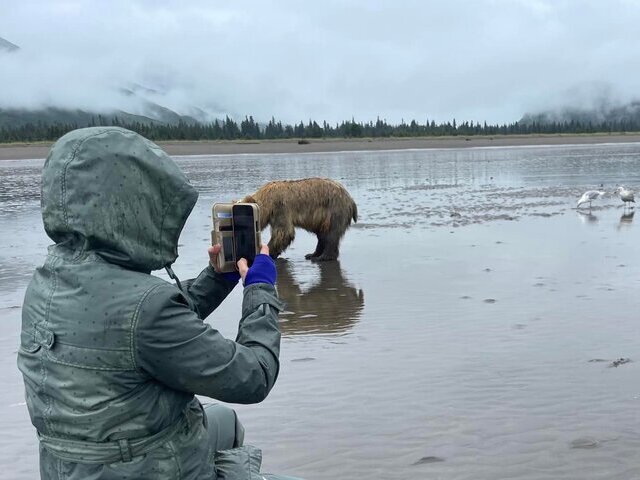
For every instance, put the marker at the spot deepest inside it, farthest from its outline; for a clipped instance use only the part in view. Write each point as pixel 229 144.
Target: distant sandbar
pixel 19 151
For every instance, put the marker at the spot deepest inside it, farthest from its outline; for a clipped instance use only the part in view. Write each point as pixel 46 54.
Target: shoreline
pixel 22 151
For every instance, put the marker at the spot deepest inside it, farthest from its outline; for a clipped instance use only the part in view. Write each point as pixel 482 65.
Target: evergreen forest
pixel 249 129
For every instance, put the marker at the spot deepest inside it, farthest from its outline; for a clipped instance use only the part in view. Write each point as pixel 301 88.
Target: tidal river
pixel 473 328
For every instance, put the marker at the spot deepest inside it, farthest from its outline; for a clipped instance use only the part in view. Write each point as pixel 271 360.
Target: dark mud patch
pixel 619 362
pixel 584 443
pixel 544 214
pixel 612 364
pixel 370 226
pixel 441 186
pixel 303 359
pixel 489 300
pixel 489 217
pixel 427 460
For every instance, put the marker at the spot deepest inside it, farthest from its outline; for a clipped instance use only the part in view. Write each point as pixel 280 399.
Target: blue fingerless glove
pixel 231 277
pixel 263 270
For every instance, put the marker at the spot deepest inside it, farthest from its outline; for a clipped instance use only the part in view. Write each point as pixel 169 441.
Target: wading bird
pixel 625 195
pixel 589 196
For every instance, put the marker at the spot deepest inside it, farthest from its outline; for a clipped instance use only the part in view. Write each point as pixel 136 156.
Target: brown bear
pixel 319 205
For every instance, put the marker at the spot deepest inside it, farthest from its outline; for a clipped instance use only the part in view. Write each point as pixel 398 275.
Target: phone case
pixel 222 234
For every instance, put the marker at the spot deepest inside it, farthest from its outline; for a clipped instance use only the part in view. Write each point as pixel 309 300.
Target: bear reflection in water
pixel 331 305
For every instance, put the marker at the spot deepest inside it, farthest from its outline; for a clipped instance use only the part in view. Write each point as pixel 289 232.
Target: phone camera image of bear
pixel 318 205
pixel 329 304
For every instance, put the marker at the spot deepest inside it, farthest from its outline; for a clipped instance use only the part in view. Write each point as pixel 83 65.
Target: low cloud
pixel 487 60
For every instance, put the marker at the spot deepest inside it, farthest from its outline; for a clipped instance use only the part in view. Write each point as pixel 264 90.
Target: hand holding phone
pixel 235 229
pixel 214 251
pixel 263 269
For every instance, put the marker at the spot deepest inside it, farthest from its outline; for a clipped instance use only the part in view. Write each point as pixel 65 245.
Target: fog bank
pixel 487 60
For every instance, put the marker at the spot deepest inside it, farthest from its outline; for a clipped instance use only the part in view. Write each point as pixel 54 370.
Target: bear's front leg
pixel 281 238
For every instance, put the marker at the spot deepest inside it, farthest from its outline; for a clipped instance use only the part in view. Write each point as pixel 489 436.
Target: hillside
pixel 148 112
pixel 620 116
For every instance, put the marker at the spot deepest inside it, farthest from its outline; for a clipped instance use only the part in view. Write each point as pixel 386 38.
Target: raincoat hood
pixel 112 191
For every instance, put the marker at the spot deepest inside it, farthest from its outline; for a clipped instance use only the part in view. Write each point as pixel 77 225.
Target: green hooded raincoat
pixel 111 355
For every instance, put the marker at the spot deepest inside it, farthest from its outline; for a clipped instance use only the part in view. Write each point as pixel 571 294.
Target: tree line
pixel 249 129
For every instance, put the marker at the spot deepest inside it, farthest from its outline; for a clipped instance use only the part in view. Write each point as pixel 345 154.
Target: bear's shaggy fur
pixel 318 205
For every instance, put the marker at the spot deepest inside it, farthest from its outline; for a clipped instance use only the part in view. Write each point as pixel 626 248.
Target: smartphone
pixel 246 233
pixel 239 237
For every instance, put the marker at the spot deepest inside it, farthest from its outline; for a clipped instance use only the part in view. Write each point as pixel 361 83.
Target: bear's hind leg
pixel 319 247
pixel 330 250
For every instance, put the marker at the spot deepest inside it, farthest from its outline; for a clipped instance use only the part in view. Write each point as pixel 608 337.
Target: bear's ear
pixel 249 199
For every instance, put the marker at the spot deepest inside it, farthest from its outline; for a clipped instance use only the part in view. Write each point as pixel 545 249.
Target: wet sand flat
pixel 473 328
pixel 40 150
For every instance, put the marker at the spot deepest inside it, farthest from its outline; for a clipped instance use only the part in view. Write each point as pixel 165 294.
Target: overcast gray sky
pixel 329 60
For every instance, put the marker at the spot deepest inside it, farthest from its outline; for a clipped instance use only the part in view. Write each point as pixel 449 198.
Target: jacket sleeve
pixel 208 290
pixel 175 347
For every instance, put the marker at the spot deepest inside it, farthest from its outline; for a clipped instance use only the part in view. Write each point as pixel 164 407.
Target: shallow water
pixel 469 330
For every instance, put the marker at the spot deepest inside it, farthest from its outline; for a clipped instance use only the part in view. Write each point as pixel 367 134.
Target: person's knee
pixel 224 428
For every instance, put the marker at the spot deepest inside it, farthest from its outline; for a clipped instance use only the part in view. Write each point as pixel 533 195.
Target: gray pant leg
pixel 224 428
pixel 271 476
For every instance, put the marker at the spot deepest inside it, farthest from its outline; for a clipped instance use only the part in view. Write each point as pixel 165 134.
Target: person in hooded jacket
pixel 112 356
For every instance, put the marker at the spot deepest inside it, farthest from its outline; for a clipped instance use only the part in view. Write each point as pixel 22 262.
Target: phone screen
pixel 244 232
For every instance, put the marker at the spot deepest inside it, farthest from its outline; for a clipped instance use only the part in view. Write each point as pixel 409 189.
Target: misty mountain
pixel 13 118
pixel 604 114
pixel 155 111
pixel 153 114
pixel 143 110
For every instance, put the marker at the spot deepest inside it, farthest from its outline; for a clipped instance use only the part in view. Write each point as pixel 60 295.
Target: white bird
pixel 625 194
pixel 589 196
